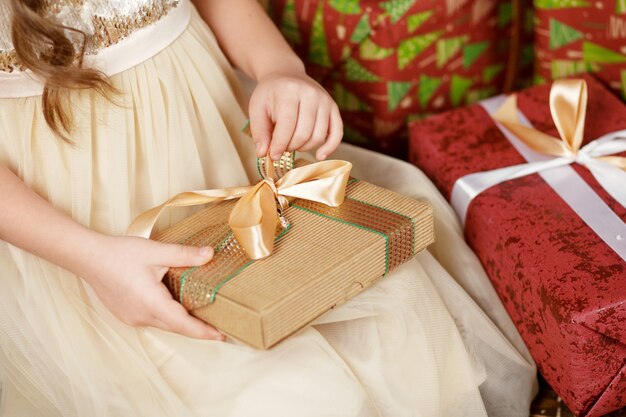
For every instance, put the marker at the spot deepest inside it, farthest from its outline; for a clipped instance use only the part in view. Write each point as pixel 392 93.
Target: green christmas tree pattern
pixel 416 20
pixel 318 48
pixel 397 8
pixel 623 83
pixel 561 68
pixel 348 101
pixel 560 4
pixel 369 50
pixel 620 6
pixel 410 48
pixel 491 72
pixel 346 51
pixel 505 13
pixel 474 96
pixel 472 52
pixel 362 29
pixel 458 88
pixel 289 24
pixel 431 48
pixel 396 91
pixel 598 54
pixel 562 34
pixel 345 6
pixel 448 47
pixel 356 72
pixel 427 88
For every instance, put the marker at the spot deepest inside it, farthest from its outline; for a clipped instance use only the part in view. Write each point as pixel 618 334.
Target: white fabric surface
pixel 415 344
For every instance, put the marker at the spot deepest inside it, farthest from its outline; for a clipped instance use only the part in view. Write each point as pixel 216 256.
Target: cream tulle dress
pixel 415 344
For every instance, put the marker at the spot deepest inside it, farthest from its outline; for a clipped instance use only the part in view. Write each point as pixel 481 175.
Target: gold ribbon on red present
pixel 550 157
pixel 256 215
pixel 568 106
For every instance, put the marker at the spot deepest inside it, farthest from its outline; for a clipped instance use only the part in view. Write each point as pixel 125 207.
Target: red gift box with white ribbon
pixel 546 217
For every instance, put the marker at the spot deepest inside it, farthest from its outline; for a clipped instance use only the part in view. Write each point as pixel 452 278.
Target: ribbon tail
pixel 144 223
pixel 469 186
pixel 610 144
pixel 253 221
pixel 508 116
pixel 611 178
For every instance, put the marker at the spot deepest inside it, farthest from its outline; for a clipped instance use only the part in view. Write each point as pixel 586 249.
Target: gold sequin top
pixel 105 22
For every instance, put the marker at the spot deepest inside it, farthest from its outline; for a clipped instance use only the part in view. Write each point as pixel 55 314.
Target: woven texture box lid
pixel 325 256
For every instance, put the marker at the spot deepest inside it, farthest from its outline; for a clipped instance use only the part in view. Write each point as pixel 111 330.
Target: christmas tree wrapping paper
pixel 525 66
pixel 386 62
pixel 577 36
pixel 563 285
pixel 322 255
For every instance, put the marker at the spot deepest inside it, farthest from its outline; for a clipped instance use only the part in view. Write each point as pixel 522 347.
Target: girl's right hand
pixel 126 275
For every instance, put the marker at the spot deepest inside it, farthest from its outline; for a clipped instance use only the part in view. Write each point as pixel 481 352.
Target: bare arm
pixel 31 223
pixel 125 272
pixel 248 37
pixel 288 110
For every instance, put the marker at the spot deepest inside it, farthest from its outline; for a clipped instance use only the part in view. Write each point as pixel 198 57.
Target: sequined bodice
pixel 105 22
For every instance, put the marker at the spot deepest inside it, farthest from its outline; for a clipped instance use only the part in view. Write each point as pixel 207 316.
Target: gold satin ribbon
pixel 568 106
pixel 254 218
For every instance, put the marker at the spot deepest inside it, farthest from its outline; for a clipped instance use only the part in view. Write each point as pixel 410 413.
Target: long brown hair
pixel 43 47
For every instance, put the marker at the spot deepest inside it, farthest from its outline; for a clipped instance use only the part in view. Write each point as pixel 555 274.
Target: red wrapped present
pixel 576 36
pixel 387 61
pixel 553 243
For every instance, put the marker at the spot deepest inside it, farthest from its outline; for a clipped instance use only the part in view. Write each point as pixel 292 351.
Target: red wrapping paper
pixel 564 288
pixel 360 51
pixel 577 36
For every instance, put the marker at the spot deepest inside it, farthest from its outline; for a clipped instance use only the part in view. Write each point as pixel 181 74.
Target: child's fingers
pixel 307 112
pixel 286 118
pixel 174 255
pixel 260 128
pixel 335 134
pixel 172 317
pixel 320 131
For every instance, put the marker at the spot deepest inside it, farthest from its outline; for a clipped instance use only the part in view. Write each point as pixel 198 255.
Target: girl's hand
pixel 291 112
pixel 128 282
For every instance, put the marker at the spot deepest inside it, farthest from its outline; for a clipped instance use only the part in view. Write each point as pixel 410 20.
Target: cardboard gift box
pixel 562 284
pixel 322 256
pixel 387 61
pixel 574 37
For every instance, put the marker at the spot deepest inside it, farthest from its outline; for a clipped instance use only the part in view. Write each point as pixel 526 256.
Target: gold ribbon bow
pixel 254 218
pixel 568 106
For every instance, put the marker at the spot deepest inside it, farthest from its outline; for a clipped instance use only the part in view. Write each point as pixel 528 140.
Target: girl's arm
pixel 125 272
pixel 288 110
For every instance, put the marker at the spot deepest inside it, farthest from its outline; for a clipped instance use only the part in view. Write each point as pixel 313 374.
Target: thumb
pixel 172 316
pixel 261 128
pixel 173 255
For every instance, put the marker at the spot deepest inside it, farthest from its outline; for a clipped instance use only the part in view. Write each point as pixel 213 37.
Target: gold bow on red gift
pixel 550 157
pixel 254 218
pixel 568 106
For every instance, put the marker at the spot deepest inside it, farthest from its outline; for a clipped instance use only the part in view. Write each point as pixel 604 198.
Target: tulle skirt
pixel 421 342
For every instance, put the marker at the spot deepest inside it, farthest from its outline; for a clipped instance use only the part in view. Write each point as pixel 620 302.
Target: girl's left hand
pixel 291 112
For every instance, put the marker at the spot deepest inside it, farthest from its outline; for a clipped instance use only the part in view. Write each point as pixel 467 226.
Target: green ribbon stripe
pixel 187 273
pixel 412 220
pixel 355 225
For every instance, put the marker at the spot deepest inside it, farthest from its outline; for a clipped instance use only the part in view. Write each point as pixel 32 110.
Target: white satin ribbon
pixel 564 180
